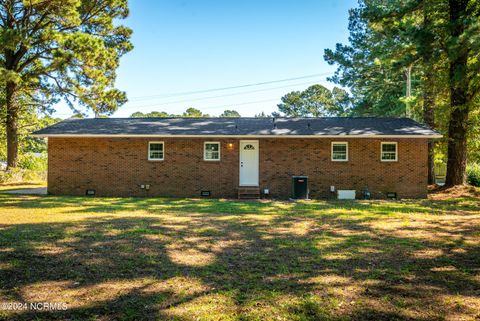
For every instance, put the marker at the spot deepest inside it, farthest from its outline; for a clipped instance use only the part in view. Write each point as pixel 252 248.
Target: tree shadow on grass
pixel 224 206
pixel 221 260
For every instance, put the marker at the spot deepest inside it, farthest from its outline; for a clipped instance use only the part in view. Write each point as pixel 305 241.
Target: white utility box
pixel 346 194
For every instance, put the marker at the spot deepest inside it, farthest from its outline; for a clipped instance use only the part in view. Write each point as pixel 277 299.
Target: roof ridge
pixel 248 117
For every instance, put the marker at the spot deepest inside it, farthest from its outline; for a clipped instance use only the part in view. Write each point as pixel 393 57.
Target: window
pixel 388 152
pixel 211 151
pixel 339 151
pixel 155 151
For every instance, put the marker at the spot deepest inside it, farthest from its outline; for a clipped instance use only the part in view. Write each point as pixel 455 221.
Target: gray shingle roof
pixel 327 126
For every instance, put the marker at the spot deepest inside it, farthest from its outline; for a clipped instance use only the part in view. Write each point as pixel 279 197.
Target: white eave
pixel 435 136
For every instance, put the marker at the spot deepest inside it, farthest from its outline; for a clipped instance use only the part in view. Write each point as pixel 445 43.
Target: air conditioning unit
pixel 299 187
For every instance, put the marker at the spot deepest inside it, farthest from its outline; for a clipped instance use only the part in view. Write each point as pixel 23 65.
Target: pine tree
pixel 53 49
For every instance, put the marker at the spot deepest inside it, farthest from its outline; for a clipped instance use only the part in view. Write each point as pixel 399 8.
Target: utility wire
pixel 139 98
pixel 186 93
pixel 240 104
pixel 221 106
pixel 220 96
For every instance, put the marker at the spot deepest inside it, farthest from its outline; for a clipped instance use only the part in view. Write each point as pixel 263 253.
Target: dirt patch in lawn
pixel 442 193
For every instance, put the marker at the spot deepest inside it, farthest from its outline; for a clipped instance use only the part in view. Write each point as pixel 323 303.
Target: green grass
pixel 188 259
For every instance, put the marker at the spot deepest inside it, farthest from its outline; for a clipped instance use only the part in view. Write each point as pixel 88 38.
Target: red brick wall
pixel 118 166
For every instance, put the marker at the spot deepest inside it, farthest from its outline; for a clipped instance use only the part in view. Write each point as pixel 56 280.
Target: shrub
pixel 33 162
pixel 473 174
pixel 34 176
pixel 31 168
pixel 17 175
pixel 12 175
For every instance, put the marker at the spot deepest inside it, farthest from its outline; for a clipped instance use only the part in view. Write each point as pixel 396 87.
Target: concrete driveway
pixel 28 191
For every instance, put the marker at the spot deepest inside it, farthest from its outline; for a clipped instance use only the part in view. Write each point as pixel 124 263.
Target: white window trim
pixel 205 154
pixel 396 152
pixel 331 152
pixel 156 159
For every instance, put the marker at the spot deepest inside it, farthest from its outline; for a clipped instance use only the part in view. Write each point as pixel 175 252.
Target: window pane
pixel 211 155
pixel 155 150
pixel 212 147
pixel 339 155
pixel 156 147
pixel 389 152
pixel 339 148
pixel 156 155
pixel 389 147
pixel 212 151
pixel 339 151
pixel 388 156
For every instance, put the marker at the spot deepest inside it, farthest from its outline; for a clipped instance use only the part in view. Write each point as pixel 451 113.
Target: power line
pixel 240 104
pixel 220 96
pixel 227 88
pixel 139 98
pixel 222 106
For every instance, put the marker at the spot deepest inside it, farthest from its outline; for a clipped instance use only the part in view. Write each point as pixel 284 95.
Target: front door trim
pixel 249 173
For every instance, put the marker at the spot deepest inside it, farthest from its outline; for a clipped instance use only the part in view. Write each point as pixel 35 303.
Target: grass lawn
pixel 179 259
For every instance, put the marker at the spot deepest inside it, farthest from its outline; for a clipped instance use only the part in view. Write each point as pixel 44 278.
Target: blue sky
pixel 193 45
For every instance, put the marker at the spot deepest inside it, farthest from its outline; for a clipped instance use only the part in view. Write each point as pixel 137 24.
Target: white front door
pixel 248 163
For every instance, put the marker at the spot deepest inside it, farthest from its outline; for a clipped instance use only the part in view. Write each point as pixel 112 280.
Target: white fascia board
pixel 436 136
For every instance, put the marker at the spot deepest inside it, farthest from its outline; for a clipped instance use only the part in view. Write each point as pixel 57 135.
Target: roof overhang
pixel 438 136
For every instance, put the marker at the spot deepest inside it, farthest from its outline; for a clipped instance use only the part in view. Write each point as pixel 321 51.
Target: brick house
pixel 231 157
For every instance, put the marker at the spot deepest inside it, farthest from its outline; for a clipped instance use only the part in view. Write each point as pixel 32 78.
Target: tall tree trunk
pixel 429 85
pixel 457 129
pixel 457 144
pixel 429 120
pixel 11 125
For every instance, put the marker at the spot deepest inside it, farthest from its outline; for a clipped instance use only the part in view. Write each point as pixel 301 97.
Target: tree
pixel 342 102
pixel 274 114
pixel 54 49
pixel 372 65
pixel 292 104
pixel 190 112
pixel 27 123
pixel 152 114
pixel 430 38
pixel 437 41
pixel 315 101
pixel 29 144
pixel 463 48
pixel 426 50
pixel 230 113
pixel 193 112
pixel 261 115
pixel 137 114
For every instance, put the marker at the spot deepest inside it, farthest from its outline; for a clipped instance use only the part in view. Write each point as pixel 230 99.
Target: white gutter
pixel 435 136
